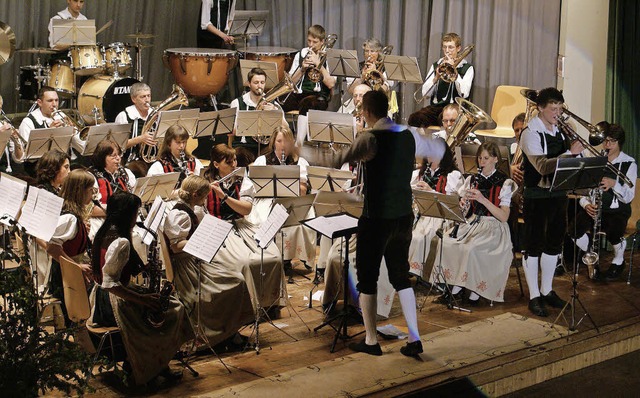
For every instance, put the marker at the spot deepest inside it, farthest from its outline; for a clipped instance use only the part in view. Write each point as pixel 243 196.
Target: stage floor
pixel 496 349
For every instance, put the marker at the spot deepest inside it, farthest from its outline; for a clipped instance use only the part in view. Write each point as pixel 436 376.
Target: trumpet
pixel 596 137
pixel 68 120
pixel 19 143
pixel 446 72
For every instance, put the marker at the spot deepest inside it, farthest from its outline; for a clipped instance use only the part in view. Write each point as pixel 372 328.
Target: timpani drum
pixel 117 54
pixel 282 56
pixel 86 60
pixel 200 71
pixel 61 78
pixel 108 94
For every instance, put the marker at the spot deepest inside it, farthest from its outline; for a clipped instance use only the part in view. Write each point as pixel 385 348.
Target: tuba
pixel 469 118
pixel 374 78
pixel 529 113
pixel 314 74
pixel 284 87
pixel 149 153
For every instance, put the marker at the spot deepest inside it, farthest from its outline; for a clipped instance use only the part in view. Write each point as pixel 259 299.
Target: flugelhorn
pixel 149 153
pixel 596 136
pixel 469 118
pixel 446 72
pixel 314 74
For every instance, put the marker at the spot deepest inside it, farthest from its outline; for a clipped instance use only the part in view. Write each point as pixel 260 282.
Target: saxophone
pixel 154 270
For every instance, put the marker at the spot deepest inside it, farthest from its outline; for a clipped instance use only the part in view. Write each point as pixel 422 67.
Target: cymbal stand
pixel 138 70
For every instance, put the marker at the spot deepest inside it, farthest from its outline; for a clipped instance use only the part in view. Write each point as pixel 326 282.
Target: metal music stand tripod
pixel 572 174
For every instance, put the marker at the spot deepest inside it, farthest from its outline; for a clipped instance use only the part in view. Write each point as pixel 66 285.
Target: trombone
pixel 446 72
pixel 596 137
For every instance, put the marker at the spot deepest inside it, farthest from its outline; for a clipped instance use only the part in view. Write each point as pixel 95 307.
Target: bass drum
pixel 107 94
pixel 200 71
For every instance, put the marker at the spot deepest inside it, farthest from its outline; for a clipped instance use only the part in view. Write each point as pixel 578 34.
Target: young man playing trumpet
pixel 440 92
pixel 310 95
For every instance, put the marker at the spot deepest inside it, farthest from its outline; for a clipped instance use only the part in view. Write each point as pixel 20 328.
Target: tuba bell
pixel 149 153
pixel 468 120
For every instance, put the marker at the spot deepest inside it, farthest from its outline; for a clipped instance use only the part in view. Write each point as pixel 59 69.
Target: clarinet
pixel 473 184
pixel 183 164
pixel 283 158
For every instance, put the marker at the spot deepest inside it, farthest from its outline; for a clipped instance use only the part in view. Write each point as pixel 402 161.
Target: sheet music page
pixel 208 238
pixel 271 226
pixel 40 213
pixel 11 194
pixel 327 226
pixel 153 220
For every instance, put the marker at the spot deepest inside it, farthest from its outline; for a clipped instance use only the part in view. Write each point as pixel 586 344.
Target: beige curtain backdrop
pixel 516 40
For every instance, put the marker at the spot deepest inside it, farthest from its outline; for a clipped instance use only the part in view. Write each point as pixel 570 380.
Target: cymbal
pixel 7 42
pixel 140 35
pixel 37 50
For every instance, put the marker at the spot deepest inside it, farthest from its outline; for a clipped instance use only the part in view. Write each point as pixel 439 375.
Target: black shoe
pixel 553 300
pixel 308 267
pixel 412 349
pixel 473 303
pixel 445 298
pixel 559 271
pixel 319 278
pixel 366 348
pixel 172 375
pixel 536 306
pixel 614 272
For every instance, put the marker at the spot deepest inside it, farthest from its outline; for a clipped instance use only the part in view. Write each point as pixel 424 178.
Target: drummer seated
pixel 71 12
pixel 137 114
pixel 310 95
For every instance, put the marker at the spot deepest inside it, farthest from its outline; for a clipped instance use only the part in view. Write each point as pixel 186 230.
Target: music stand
pixel 338 226
pixel 328 179
pixel 444 207
pixel 327 203
pixel 216 123
pixel 573 174
pixel 186 118
pixel 402 68
pixel 343 63
pixel 270 68
pixel 331 127
pixel 257 124
pixel 147 188
pixel 118 133
pixel 248 23
pixel 42 141
pixel 275 181
pixel 66 33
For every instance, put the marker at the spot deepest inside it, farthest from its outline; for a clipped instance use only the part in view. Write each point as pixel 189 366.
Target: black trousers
pixel 388 238
pixel 613 224
pixel 545 224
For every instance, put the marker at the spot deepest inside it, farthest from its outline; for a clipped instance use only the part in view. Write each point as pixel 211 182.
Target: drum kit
pixel 104 89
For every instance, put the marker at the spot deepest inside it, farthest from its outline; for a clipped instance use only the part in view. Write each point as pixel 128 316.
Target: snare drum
pixel 86 60
pixel 200 71
pixel 61 78
pixel 108 94
pixel 282 56
pixel 118 54
pixel 31 79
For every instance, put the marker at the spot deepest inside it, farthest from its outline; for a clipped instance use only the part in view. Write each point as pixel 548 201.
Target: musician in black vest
pixel 545 212
pixel 41 117
pixel 441 93
pixel 384 229
pixel 174 156
pixel 310 95
pixel 215 16
pixel 137 115
pixel 616 204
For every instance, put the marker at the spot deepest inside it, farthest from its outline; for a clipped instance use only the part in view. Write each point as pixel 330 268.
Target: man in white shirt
pixel 137 115
pixel 71 12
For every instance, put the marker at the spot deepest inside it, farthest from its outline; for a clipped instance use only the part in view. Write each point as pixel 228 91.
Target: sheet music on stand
pixel 147 188
pixel 40 213
pixel 343 63
pixel 215 123
pixel 275 181
pixel 328 179
pixel 12 192
pixel 270 68
pixel 578 173
pixel 208 238
pixel 73 32
pixel 438 205
pixel 331 127
pixel 153 221
pixel 271 226
pixel 333 226
pixel 402 68
pixel 116 132
pixel 187 118
pixel 248 23
pixel 42 141
pixel 327 203
pixel 257 123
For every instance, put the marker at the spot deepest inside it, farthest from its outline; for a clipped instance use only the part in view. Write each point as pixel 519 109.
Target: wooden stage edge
pixel 514 371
